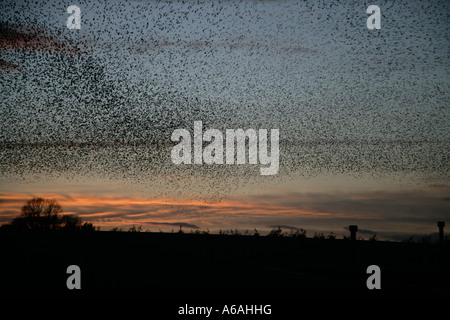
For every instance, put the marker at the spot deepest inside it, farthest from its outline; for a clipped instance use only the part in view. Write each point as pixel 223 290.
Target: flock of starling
pixel 103 100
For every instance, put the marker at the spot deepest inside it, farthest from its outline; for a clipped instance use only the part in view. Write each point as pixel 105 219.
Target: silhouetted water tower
pixel 441 225
pixel 353 228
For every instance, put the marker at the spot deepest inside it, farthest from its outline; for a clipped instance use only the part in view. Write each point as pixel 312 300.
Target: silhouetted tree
pixel 73 222
pixel 70 222
pixel 275 233
pixel 39 213
pixel 319 235
pixel 138 229
pixel 299 233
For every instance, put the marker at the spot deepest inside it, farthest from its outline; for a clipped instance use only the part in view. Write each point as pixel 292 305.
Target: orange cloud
pixel 110 210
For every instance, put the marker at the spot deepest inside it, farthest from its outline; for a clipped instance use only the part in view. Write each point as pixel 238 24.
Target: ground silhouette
pixel 156 265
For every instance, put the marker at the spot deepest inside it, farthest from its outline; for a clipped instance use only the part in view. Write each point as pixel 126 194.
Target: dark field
pixel 190 266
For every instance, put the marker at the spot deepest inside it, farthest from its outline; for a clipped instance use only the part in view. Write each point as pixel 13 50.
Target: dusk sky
pixel 363 115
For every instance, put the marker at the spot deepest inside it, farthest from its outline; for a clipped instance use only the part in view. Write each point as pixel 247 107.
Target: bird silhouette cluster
pixel 102 101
